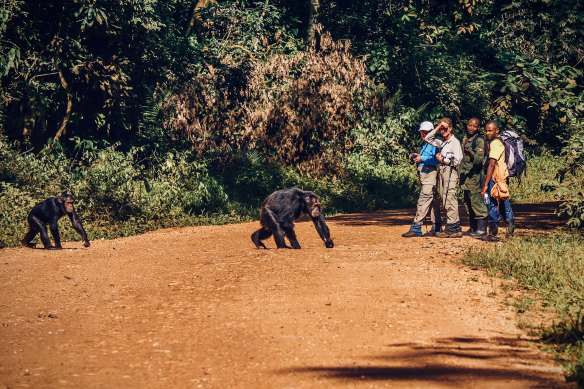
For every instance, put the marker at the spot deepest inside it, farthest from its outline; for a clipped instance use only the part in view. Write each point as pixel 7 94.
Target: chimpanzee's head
pixel 312 203
pixel 66 202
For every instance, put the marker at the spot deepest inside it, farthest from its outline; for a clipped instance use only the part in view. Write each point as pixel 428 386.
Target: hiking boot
pixel 481 229
pixel 411 234
pixel 511 228
pixel 493 229
pixel 472 228
pixel 489 238
pixel 446 234
pixel 435 228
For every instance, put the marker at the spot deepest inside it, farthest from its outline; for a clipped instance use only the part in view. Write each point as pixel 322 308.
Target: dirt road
pixel 200 307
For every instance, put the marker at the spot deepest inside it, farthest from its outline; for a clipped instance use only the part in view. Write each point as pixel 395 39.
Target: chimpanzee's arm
pixel 79 228
pixel 323 230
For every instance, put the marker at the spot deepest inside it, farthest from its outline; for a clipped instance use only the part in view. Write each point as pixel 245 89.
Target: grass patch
pixel 552 267
pixel 540 182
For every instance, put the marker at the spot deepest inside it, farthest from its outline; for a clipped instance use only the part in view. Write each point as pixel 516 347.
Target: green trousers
pixel 475 207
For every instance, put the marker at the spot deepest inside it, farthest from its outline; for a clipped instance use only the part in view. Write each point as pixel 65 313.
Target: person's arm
pixel 490 170
pixel 427 155
pixel 433 139
pixel 479 153
pixel 457 151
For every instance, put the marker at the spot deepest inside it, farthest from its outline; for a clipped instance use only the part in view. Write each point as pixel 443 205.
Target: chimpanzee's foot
pixel 30 245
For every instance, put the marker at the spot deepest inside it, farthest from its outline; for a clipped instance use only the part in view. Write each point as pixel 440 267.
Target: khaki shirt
pixel 450 149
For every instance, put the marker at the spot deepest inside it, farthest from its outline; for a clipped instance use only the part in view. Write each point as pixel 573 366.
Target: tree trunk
pixel 312 14
pixel 196 17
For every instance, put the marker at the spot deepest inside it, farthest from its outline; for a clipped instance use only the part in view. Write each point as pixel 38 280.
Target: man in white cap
pixel 428 176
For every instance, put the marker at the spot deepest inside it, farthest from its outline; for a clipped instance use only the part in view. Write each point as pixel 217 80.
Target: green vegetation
pixel 126 193
pixel 552 266
pixel 541 182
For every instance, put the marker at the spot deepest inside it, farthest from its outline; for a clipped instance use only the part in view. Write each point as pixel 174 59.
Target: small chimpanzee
pixel 278 213
pixel 49 212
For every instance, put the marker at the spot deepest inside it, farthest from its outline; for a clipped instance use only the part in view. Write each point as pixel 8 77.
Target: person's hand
pixel 439 157
pixel 483 191
pixel 417 159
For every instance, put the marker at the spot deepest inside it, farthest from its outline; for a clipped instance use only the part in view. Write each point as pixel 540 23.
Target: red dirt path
pixel 200 307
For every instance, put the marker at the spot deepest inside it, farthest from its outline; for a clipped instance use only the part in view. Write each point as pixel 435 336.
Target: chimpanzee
pixel 49 212
pixel 278 213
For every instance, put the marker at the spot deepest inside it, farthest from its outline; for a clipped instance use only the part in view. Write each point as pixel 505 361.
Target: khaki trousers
pixel 428 199
pixel 448 184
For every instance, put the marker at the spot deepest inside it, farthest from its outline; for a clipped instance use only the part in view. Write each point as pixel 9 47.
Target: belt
pixel 428 168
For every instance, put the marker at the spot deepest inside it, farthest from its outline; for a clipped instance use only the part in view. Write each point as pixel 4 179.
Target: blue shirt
pixel 428 155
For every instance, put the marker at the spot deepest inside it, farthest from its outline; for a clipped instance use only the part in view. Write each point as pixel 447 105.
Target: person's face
pixel 445 130
pixel 491 131
pixel 472 127
pixel 423 134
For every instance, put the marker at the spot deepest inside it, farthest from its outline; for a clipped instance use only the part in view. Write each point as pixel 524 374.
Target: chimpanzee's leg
pixel 40 226
pixel 292 237
pixel 29 237
pixel 269 220
pixel 55 232
pixel 260 235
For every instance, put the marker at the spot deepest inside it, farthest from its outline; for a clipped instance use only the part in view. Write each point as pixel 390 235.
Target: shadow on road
pixel 528 216
pixel 450 359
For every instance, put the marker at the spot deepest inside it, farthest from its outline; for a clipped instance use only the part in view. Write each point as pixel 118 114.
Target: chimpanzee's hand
pixel 329 244
pixel 86 243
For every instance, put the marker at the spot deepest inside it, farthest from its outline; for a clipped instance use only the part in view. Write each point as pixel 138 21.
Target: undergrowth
pixel 552 266
pixel 122 193
pixel 540 182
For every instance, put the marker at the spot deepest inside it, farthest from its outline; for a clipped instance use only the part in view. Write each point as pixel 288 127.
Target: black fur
pixel 49 212
pixel 281 209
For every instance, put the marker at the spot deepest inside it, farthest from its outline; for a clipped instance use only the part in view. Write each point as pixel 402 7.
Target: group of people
pixel 477 165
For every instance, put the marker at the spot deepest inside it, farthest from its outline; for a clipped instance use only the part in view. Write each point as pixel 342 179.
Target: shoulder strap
pixel 474 142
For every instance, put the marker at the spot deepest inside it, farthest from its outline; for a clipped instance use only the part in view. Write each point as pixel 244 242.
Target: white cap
pixel 426 126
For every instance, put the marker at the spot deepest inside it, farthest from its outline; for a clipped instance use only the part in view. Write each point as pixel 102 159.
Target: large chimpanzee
pixel 278 213
pixel 49 212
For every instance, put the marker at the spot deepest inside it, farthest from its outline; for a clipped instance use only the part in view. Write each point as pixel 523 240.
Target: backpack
pixel 514 154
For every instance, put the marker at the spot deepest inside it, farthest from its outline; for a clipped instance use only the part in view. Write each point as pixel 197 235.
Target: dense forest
pixel 182 112
pixel 156 113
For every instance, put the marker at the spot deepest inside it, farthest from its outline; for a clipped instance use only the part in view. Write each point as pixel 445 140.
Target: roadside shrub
pixel 299 109
pixel 117 193
pixel 571 179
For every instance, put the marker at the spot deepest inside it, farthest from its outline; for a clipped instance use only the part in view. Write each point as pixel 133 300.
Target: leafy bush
pixel 295 108
pixel 572 180
pixel 117 193
pixel 125 193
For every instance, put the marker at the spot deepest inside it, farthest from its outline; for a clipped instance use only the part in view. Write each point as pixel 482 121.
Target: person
pixel 449 158
pixel 471 179
pixel 496 187
pixel 427 174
